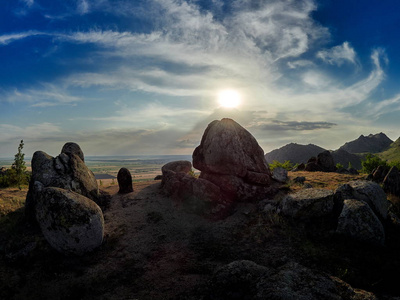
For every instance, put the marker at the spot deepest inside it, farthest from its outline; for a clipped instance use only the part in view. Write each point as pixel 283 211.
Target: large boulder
pixel 66 171
pixel 358 221
pixel 372 194
pixel 70 222
pixel 229 149
pixel 308 203
pixel 124 179
pixel 230 157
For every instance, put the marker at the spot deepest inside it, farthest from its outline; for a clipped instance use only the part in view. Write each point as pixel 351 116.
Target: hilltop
pixel 373 143
pixel 392 153
pixel 296 153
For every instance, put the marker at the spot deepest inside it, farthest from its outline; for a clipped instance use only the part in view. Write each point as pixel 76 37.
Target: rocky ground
pixel 155 249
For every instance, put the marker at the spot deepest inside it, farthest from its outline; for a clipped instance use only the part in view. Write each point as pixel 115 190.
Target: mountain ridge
pixel 351 152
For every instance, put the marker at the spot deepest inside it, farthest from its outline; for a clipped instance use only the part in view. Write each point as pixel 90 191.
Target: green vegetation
pixel 393 153
pixel 17 175
pixel 339 166
pixel 372 161
pixel 286 165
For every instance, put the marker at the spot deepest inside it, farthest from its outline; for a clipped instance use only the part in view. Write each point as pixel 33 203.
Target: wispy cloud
pixel 44 96
pixel 338 55
pixel 9 38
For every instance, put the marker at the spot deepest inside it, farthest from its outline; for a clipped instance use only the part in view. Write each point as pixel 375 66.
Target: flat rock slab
pixel 308 203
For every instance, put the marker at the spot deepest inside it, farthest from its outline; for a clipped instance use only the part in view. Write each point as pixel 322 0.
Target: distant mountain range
pixel 373 143
pixel 351 152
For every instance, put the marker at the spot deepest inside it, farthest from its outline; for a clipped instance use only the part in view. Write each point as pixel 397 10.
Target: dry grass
pixel 12 199
pixel 324 180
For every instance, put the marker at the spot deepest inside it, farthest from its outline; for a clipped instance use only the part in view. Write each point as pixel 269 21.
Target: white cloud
pixel 9 38
pixel 43 96
pixel 338 55
pixel 83 7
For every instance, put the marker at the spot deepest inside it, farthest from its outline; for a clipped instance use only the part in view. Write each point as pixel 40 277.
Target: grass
pixel 323 180
pixel 12 199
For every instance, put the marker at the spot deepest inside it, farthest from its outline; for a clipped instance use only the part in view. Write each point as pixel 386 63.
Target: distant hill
pixel 373 143
pixel 294 152
pixel 393 153
pixel 344 157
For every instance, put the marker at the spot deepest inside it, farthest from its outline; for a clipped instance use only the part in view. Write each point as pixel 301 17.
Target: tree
pixel 371 162
pixel 19 165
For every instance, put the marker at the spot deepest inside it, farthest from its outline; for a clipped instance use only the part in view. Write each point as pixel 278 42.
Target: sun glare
pixel 229 98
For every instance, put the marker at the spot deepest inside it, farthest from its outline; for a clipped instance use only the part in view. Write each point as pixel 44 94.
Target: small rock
pixel 280 174
pixel 299 179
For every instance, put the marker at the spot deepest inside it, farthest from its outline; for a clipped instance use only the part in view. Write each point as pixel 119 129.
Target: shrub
pixel 286 165
pixel 339 166
pixel 371 162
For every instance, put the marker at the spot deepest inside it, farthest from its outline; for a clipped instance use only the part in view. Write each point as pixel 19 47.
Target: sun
pixel 229 98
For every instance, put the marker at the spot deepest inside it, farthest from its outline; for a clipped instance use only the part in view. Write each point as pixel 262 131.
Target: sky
pixel 142 77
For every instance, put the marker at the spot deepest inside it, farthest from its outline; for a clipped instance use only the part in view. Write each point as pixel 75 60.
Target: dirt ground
pixel 154 249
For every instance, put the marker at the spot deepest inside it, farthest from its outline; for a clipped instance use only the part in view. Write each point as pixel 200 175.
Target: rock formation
pixel 230 157
pixel 124 179
pixel 322 163
pixel 247 280
pixel 233 168
pixel 66 171
pixel 61 198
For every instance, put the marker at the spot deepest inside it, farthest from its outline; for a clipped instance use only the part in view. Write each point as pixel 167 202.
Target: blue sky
pixel 142 77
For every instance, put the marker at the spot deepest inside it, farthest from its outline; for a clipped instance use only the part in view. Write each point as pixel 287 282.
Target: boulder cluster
pixel 388 177
pixel 62 198
pixel 233 168
pixel 359 209
pixel 323 162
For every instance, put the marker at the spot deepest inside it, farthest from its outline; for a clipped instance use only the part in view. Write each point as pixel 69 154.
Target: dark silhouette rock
pixel 229 149
pixel 299 179
pixel 70 222
pixel 322 163
pixel 300 167
pixel 230 157
pixel 391 183
pixel 73 148
pixel 379 174
pixel 124 179
pixel 158 177
pixel 325 160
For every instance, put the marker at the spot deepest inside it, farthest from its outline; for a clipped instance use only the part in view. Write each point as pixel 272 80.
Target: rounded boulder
pixel 70 222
